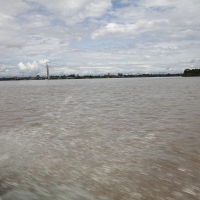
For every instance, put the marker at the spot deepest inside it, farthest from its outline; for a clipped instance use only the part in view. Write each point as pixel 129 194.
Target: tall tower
pixel 47 71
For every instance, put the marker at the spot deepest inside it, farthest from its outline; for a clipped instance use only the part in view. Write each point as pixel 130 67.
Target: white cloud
pixel 29 68
pixel 113 30
pixel 13 7
pixel 75 11
pixel 3 69
pixel 92 36
pixel 43 62
pixel 169 3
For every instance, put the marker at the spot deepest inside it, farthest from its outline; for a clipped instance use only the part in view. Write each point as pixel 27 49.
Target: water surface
pixel 100 139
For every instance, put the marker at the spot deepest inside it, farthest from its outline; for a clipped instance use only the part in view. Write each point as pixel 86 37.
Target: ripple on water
pixel 100 139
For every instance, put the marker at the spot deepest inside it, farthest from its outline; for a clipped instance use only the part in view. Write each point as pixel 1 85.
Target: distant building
pixel 110 75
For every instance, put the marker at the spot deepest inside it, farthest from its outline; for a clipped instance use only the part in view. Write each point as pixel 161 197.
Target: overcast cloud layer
pixel 97 37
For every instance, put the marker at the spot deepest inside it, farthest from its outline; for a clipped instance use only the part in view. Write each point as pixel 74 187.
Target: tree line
pixel 191 72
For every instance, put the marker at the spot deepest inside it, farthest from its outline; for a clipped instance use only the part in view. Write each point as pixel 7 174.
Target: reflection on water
pixel 102 139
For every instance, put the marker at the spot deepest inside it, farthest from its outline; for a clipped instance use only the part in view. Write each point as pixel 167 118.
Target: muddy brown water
pixel 100 139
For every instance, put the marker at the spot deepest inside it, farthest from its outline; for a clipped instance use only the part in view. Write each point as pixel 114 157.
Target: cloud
pixel 75 11
pixel 43 62
pixel 31 69
pixel 195 63
pixel 3 69
pixel 14 43
pixel 113 30
pixel 7 70
pixel 92 36
pixel 13 7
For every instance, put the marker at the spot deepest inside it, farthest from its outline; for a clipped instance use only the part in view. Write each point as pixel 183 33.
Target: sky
pixel 98 36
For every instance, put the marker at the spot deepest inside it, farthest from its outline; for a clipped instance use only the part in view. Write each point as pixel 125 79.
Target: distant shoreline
pixel 73 76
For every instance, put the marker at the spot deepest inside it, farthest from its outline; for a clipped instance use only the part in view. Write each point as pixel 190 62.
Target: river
pixel 100 139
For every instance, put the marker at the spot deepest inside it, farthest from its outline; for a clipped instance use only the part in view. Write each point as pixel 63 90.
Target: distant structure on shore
pixel 110 75
pixel 48 77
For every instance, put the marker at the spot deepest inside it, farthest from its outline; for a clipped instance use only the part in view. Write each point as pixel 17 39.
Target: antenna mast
pixel 47 71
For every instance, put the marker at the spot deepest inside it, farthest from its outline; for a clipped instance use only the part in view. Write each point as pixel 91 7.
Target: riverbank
pixel 73 76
